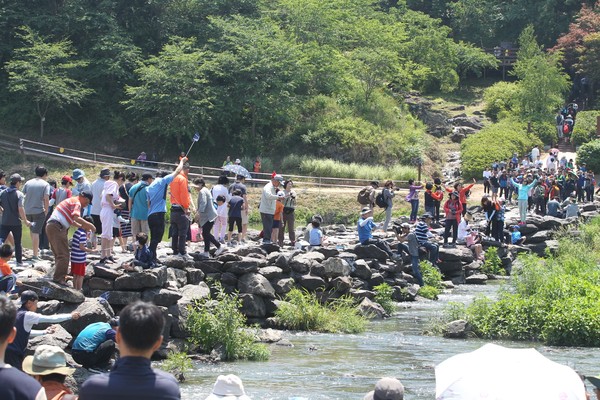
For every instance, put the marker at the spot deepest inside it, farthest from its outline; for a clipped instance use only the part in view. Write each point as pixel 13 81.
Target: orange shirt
pixel 278 210
pixel 5 268
pixel 180 194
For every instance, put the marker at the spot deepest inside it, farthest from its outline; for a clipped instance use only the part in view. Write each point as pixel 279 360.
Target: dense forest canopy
pixel 258 76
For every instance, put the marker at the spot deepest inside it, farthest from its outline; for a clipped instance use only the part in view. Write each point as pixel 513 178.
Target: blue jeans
pixel 267 223
pixel 433 250
pixel 414 204
pixel 416 270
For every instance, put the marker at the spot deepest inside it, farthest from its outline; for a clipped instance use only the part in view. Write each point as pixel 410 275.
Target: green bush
pixel 589 153
pixel 432 278
pixel 429 292
pixel 218 323
pixel 302 310
pixel 500 100
pixel 177 363
pixel 492 263
pixel 495 142
pixel 383 296
pixel 556 299
pixel 585 127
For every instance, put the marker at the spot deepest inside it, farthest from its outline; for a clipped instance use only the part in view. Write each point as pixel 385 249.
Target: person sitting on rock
pixel 143 256
pixel 95 344
pixel 316 234
pixel 386 389
pixel 423 237
pixel 515 236
pixel 8 280
pixel 365 235
pixel 26 319
pixel 570 207
pixel 471 238
pixel 48 366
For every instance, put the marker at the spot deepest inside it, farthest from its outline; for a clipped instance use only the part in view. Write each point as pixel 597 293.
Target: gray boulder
pixel 149 278
pixel 253 306
pixel 179 276
pixel 271 273
pixel 244 266
pixel 48 307
pixel 370 251
pixel 335 266
pixel 311 283
pixel 361 270
pixel 476 279
pixel 60 338
pixel 178 262
pixel 459 253
pixel 341 285
pixel 208 266
pixel 190 292
pixel 47 289
pixel 283 286
pixel 282 262
pixel 194 276
pixel 360 294
pixel 91 310
pixel 256 284
pixel 458 329
pixel 107 273
pixel 161 297
pixel 96 283
pixel 371 310
pixel 118 297
pixel 328 252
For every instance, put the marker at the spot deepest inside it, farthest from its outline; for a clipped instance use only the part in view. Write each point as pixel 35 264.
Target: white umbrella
pixel 494 372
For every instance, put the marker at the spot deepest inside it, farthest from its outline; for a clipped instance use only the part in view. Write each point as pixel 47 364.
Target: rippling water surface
pixel 326 366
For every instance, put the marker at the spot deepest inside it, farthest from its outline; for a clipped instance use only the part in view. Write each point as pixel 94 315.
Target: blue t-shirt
pixel 78 255
pixel 93 336
pixel 364 232
pixel 139 203
pixel 157 194
pixel 235 206
pixel 515 236
pixel 316 237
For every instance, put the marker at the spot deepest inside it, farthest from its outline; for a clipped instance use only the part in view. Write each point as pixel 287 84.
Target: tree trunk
pixel 42 119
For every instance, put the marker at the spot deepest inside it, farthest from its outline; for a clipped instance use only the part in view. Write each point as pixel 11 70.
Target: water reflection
pixel 347 366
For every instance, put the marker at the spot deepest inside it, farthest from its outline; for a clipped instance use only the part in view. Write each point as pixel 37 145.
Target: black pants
pixel 180 224
pixel 436 204
pixel 156 223
pixel 208 236
pixel 497 230
pixel 580 194
pixel 451 224
pixel 486 186
pixel 17 231
pixel 267 223
pixel 97 358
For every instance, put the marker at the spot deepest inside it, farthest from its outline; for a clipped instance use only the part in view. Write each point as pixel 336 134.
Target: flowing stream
pixel 334 366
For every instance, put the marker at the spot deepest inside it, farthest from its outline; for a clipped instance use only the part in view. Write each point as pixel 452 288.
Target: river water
pixel 333 366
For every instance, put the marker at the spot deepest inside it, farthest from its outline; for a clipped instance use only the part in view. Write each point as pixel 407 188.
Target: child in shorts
pixel 79 252
pixel 235 205
pixel 277 216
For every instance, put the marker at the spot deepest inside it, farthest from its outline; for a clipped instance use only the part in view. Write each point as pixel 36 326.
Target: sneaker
pixel 19 264
pixel 186 257
pixel 219 250
pixel 222 241
pixel 123 220
pixel 205 254
pixel 229 244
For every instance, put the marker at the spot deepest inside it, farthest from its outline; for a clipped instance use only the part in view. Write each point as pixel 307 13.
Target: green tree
pixel 589 57
pixel 542 82
pixel 173 98
pixel 43 71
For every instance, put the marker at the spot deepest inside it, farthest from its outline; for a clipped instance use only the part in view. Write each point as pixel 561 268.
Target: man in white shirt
pixel 535 154
pixel 267 206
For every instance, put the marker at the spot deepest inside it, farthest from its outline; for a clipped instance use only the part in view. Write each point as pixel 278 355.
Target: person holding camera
pixel 289 208
pixel 388 196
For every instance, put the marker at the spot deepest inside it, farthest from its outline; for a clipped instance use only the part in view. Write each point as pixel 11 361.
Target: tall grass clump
pixel 432 278
pixel 383 296
pixel 555 300
pixel 302 310
pixel 336 169
pixel 219 324
pixel 177 363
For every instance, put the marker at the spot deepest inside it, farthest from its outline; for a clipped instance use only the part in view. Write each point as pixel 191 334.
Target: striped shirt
pixel 68 210
pixel 422 232
pixel 78 255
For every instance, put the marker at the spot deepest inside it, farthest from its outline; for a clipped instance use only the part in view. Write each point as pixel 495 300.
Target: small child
pixel 277 216
pixel 221 221
pixel 515 235
pixel 236 204
pixel 8 280
pixel 79 252
pixel 143 255
pixel 316 234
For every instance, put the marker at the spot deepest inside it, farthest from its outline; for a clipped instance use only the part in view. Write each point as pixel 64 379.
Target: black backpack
pixel 364 196
pixel 380 201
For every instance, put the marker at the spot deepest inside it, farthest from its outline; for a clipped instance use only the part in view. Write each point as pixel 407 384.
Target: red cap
pixel 67 178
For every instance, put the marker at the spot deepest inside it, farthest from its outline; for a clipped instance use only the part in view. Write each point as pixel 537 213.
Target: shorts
pixel 237 221
pixel 97 223
pixel 494 189
pixel 78 269
pixel 38 220
pixel 139 225
pixel 245 217
pixel 276 223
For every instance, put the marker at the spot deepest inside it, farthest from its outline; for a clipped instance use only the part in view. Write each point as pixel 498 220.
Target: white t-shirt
pixel 220 190
pixel 535 153
pixel 463 230
pixel 110 187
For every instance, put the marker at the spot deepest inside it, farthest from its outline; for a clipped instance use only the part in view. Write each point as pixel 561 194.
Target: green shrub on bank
pixel 383 296
pixel 500 100
pixel 177 363
pixel 556 300
pixel 589 153
pixel 495 142
pixel 218 323
pixel 432 278
pixel 302 310
pixel 492 263
pixel 585 127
